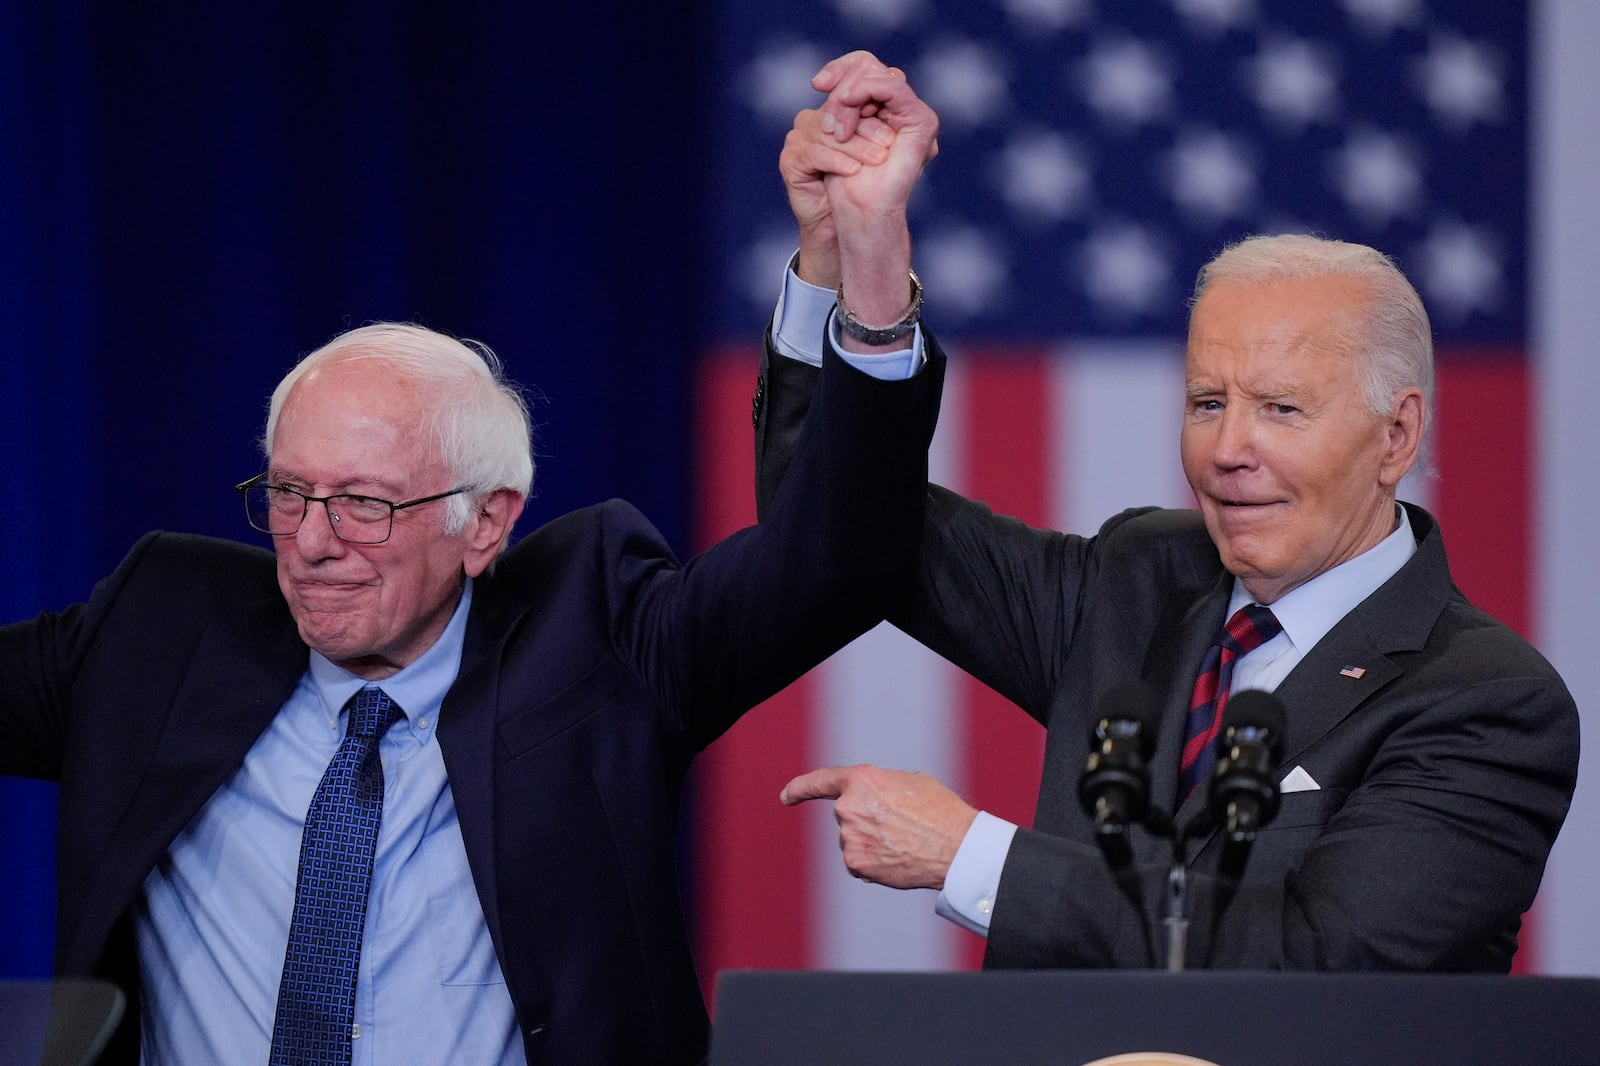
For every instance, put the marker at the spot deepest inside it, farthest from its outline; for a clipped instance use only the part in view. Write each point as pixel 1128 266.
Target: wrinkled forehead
pixel 356 387
pixel 353 416
pixel 1323 315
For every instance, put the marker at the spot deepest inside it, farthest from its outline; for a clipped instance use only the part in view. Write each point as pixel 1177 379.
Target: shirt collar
pixel 1309 611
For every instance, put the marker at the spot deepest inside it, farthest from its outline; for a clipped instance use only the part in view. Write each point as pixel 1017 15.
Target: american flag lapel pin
pixel 1357 672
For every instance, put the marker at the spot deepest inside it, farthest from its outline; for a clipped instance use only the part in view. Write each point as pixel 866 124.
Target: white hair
pixel 477 418
pixel 1397 348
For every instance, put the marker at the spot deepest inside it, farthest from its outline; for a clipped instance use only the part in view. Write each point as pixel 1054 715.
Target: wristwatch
pixel 881 335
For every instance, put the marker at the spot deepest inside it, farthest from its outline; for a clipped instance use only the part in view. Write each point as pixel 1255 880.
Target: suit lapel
pixel 466 735
pixel 1181 642
pixel 1355 660
pixel 236 680
pixel 1319 696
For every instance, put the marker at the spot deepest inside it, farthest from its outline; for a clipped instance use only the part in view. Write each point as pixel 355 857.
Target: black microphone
pixel 1244 795
pixel 1115 787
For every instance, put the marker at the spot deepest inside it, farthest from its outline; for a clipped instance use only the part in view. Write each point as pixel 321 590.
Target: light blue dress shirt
pixel 213 920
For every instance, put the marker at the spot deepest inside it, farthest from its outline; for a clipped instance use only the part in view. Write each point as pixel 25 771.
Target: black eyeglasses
pixel 279 510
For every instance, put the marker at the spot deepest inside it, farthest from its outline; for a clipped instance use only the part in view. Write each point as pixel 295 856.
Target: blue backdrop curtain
pixel 196 194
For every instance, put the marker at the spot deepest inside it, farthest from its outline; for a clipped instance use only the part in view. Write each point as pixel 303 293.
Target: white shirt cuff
pixel 805 310
pixel 973 879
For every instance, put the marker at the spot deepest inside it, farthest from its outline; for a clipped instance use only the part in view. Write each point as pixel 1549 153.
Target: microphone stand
pixel 1177 895
pixel 1177 919
pixel 1114 843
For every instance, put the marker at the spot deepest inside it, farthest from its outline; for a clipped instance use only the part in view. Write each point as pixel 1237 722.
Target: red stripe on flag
pixel 1005 448
pixel 752 901
pixel 1484 496
pixel 1485 479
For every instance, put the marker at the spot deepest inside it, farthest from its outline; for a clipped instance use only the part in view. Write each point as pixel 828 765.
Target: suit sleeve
pixel 34 693
pixel 783 397
pixel 993 595
pixel 834 550
pixel 39 659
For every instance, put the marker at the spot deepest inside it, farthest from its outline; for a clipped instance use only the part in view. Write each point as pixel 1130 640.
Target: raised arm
pixel 848 165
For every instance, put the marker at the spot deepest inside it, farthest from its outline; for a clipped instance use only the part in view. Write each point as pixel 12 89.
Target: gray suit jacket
pixel 1446 768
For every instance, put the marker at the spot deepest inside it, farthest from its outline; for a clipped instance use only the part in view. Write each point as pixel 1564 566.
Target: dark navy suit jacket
pixel 595 667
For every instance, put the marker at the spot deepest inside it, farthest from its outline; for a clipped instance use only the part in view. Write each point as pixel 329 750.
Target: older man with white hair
pixel 1428 753
pixel 394 792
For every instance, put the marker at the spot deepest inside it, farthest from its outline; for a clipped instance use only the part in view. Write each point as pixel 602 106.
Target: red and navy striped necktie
pixel 1250 627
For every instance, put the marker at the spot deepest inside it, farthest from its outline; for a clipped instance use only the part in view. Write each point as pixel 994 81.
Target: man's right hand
pixel 862 93
pixel 849 168
pixel 895 828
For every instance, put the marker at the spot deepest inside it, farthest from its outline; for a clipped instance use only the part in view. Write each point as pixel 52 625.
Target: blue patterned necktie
pixel 317 996
pixel 1250 627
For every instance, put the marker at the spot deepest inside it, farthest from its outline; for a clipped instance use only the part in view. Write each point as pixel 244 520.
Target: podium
pixel 57 1023
pixel 1231 1018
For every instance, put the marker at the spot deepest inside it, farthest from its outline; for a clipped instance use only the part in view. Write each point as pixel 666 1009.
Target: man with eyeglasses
pixel 389 795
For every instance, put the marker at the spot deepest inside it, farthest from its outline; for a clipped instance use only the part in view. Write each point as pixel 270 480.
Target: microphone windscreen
pixel 1132 701
pixel 1257 710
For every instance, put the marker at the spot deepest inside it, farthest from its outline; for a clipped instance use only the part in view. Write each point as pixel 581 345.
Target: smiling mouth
pixel 330 588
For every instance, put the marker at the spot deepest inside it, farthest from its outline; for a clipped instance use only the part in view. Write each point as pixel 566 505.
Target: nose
pixel 1234 445
pixel 316 539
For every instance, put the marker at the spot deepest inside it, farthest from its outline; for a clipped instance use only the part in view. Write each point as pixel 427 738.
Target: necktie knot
pixel 1250 627
pixel 372 712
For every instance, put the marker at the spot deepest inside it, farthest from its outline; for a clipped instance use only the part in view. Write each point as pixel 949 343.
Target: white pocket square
pixel 1297 780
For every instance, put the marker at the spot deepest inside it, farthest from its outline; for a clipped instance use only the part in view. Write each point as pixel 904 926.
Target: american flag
pixel 1094 155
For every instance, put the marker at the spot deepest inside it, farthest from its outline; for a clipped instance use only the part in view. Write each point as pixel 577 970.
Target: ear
pixel 489 527
pixel 1403 442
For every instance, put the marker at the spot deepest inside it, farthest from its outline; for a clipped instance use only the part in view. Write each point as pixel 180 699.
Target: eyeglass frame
pixel 259 481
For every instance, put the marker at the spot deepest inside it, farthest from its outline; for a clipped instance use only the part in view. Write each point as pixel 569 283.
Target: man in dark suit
pixel 527 718
pixel 1430 754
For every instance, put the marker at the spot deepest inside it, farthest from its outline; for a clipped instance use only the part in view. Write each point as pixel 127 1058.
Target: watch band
pixel 881 335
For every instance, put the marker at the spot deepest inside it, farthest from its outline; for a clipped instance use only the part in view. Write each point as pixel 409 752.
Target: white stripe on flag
pixel 1565 283
pixel 1117 414
pixel 887 700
